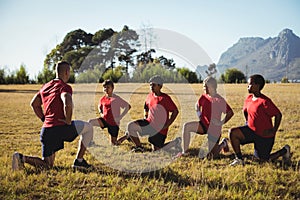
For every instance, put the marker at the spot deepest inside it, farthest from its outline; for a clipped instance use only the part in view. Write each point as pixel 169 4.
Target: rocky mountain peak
pixel 272 57
pixel 286 33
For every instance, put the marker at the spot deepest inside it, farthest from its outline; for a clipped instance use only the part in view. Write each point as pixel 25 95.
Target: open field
pixel 184 178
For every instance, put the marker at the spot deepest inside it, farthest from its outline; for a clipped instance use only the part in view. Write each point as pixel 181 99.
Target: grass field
pixel 120 174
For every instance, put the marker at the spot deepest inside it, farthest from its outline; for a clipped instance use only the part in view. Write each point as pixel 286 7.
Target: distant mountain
pixel 274 58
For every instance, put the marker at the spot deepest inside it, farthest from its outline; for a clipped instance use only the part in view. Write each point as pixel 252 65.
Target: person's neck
pixel 157 93
pixel 109 95
pixel 59 78
pixel 256 94
pixel 212 94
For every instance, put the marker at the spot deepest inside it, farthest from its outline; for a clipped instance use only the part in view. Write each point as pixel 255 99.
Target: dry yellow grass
pixel 184 178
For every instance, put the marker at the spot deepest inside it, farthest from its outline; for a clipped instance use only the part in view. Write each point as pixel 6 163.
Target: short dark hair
pixel 258 79
pixel 61 65
pixel 156 79
pixel 108 82
pixel 211 80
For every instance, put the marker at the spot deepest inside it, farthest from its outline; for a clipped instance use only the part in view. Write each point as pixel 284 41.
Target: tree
pixel 168 63
pixel 21 76
pixel 2 76
pixel 284 80
pixel 113 75
pixel 190 76
pixel 76 58
pixel 233 75
pixel 145 57
pixel 102 35
pixel 46 75
pixel 75 40
pixel 123 42
pixel 127 58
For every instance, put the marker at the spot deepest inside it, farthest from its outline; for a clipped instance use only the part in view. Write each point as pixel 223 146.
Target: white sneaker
pixel 287 156
pixel 237 162
pixel 17 162
pixel 224 145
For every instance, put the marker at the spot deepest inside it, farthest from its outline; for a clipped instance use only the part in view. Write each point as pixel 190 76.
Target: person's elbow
pixel 279 115
pixel 230 114
pixel 175 112
pixel 36 102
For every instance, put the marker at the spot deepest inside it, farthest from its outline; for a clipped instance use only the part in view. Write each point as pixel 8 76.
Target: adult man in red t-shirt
pixel 156 120
pixel 56 99
pixel 258 110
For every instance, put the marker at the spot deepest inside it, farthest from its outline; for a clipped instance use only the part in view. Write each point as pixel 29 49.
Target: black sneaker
pixel 287 156
pixel 138 149
pixel 81 165
pixel 17 161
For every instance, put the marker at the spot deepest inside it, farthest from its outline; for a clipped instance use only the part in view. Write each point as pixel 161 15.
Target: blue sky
pixel 30 29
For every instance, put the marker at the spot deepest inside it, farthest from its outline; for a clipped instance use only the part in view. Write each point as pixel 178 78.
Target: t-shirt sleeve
pixel 200 101
pixel 171 106
pixel 271 108
pixel 66 89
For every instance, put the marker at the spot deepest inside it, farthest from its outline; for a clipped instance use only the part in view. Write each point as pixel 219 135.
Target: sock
pixel 239 155
pixel 80 159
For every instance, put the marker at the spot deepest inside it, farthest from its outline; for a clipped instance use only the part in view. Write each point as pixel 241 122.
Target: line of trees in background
pixel 18 77
pixel 108 54
pixel 105 54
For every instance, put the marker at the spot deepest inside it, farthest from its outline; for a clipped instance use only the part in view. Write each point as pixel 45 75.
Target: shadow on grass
pixel 194 152
pixel 169 175
pixel 250 159
pixel 166 174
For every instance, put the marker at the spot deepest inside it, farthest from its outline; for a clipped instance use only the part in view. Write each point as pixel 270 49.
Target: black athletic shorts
pixel 112 130
pixel 53 138
pixel 210 137
pixel 155 138
pixel 262 146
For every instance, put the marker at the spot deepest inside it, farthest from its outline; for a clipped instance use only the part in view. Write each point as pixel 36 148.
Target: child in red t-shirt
pixel 110 106
pixel 258 110
pixel 209 107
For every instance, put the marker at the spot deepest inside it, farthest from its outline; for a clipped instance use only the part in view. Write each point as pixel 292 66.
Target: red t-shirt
pixel 212 108
pixel 52 103
pixel 111 108
pixel 158 110
pixel 260 113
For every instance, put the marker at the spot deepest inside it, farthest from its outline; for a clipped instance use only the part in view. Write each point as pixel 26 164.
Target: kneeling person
pixel 58 127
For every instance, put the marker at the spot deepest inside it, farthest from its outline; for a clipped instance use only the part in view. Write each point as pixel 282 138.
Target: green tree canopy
pixel 233 75
pixel 22 76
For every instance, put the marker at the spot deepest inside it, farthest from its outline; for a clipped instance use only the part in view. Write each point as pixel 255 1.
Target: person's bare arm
pixel 228 116
pixel 272 131
pixel 125 111
pixel 171 119
pixel 68 107
pixel 36 105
